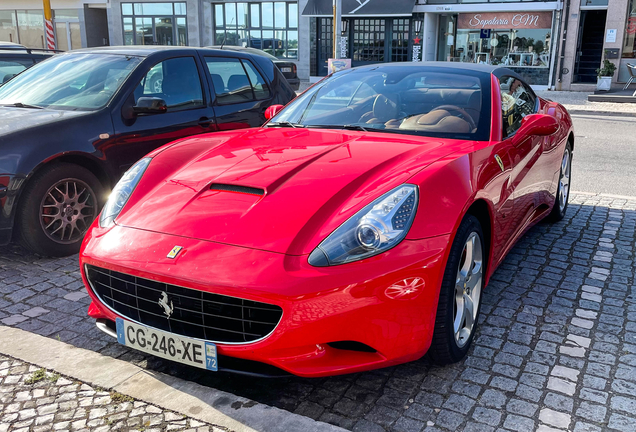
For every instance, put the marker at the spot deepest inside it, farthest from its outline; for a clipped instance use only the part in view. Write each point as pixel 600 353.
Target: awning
pixel 361 8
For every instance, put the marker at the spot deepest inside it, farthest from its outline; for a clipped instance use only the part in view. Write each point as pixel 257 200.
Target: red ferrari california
pixel 355 230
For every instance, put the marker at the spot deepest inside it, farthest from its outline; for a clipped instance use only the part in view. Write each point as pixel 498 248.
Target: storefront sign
pixel 505 20
pixel 417 48
pixel 610 37
pixel 335 65
pixel 344 42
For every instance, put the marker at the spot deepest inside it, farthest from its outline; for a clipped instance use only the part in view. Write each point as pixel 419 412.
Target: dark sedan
pixel 288 68
pixel 71 125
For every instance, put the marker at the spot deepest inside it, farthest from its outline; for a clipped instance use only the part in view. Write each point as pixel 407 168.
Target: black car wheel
pixel 56 209
pixel 460 295
pixel 563 190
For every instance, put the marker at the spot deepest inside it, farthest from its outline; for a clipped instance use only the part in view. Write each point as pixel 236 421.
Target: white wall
pixel 55 4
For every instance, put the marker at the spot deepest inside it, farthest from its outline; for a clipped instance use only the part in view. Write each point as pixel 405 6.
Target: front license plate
pixel 190 351
pixel 286 69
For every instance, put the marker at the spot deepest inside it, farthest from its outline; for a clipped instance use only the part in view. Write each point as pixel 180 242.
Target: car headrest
pixel 217 81
pixel 237 82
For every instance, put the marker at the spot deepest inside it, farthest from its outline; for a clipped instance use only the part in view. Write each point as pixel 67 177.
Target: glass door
pixel 68 35
pixel 324 42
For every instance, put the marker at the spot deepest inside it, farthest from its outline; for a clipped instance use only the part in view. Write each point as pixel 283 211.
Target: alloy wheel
pixel 67 210
pixel 564 180
pixel 468 284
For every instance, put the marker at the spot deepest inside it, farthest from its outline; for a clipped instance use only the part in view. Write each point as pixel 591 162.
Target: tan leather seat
pixel 436 121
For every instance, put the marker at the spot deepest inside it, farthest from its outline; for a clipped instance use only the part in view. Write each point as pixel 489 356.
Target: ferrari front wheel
pixel 460 295
pixel 563 188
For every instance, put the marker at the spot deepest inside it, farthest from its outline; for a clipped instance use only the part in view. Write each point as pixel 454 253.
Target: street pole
pixel 48 24
pixel 337 25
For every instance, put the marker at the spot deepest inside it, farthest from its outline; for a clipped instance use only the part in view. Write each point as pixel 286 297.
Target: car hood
pixel 276 189
pixel 16 119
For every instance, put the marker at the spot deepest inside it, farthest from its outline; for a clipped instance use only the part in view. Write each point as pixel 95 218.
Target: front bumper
pixel 320 305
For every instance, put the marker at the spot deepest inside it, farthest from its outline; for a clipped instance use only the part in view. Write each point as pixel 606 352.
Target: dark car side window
pixel 10 68
pixel 517 101
pixel 174 80
pixel 236 81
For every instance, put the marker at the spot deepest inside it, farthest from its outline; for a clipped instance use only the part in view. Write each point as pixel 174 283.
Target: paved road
pixel 556 348
pixel 605 154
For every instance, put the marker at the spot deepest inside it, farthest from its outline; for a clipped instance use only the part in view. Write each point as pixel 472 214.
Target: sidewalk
pixel 577 103
pixel 40 401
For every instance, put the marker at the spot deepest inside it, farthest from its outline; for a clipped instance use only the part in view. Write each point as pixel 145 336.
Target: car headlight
pixel 122 191
pixel 373 230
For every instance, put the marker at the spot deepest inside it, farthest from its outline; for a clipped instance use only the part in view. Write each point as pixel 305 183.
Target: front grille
pixel 195 313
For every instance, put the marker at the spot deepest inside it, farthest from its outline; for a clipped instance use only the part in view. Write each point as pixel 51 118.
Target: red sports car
pixel 355 230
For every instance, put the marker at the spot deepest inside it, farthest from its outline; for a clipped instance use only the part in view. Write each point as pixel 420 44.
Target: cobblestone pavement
pixel 555 350
pixel 32 399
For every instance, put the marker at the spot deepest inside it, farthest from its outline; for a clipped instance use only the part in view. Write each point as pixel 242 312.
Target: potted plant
pixel 605 74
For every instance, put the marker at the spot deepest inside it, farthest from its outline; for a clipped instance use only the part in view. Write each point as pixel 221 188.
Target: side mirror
pixel 272 110
pixel 538 124
pixel 150 105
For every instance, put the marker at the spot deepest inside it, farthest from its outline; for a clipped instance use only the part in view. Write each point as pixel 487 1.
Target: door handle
pixel 205 122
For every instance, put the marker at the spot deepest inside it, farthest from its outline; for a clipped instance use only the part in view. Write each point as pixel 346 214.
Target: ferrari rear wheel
pixel 563 189
pixel 460 295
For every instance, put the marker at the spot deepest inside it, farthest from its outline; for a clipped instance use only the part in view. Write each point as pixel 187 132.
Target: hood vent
pixel 237 188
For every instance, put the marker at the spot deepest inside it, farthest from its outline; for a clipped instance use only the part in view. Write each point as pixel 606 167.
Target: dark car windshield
pixel 429 101
pixel 69 82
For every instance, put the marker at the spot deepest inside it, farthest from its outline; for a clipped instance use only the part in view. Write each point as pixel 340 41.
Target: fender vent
pixel 237 188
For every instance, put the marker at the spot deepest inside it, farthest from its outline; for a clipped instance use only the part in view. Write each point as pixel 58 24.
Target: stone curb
pixel 188 398
pixel 602 113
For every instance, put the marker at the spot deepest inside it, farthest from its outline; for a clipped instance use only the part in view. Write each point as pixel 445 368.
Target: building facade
pixel 552 44
pixel 77 23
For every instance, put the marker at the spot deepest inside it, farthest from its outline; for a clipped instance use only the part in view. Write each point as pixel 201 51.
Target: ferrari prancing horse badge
pixel 174 252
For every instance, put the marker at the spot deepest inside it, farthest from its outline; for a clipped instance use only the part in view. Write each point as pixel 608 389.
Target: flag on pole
pixel 48 24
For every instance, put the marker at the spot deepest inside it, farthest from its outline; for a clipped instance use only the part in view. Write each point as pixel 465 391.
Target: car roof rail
pixel 28 50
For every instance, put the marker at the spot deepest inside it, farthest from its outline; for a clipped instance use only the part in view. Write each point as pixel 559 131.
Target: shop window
pixel 517 101
pixel 154 23
pixel 368 40
pixel 8 26
pixel 31 28
pixel 236 81
pixel 629 45
pixel 518 40
pixel 400 40
pixel 268 26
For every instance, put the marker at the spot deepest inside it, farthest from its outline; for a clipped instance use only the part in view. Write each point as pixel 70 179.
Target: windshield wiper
pixel 347 127
pixel 287 124
pixel 23 105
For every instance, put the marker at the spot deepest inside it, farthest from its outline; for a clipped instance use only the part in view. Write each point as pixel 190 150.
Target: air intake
pixel 351 346
pixel 237 189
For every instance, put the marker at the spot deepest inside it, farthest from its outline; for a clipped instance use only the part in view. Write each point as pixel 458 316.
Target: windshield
pixel 429 101
pixel 69 82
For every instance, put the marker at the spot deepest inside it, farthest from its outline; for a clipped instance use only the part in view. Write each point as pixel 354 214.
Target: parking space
pixel 556 347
